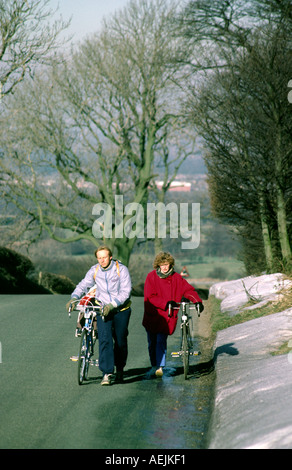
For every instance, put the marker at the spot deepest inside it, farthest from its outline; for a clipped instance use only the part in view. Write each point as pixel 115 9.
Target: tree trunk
pixel 266 236
pixel 281 206
pixel 282 227
pixel 124 247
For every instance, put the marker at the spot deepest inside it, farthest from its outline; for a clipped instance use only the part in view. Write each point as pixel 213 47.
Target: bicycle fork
pixel 189 345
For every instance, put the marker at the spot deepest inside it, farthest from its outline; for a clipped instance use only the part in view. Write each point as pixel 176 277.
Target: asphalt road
pixel 42 406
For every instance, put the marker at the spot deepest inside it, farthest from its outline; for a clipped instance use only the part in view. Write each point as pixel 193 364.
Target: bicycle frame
pixel 186 347
pixel 86 348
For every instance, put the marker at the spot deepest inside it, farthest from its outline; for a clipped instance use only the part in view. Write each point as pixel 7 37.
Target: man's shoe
pixel 106 380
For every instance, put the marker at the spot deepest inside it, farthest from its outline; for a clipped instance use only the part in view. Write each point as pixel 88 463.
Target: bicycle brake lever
pixel 198 310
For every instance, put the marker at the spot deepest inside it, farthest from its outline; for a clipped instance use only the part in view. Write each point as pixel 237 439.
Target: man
pixel 113 290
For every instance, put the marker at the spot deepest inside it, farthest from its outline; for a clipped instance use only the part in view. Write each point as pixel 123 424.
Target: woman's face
pixel 164 268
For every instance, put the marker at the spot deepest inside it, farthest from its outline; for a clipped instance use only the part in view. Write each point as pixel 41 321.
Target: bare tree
pixel 96 125
pixel 27 39
pixel 183 141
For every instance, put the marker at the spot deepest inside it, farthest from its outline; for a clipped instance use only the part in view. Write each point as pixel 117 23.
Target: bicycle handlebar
pixel 195 306
pixel 98 309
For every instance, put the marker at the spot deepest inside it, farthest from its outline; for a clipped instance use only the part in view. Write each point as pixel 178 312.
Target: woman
pixel 163 287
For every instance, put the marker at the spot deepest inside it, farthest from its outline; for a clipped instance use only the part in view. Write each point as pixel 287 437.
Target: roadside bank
pixel 252 389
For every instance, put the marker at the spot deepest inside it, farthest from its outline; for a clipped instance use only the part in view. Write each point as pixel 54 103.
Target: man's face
pixel 103 258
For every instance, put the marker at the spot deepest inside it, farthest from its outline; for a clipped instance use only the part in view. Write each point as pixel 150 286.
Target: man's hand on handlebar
pixel 71 303
pixel 107 309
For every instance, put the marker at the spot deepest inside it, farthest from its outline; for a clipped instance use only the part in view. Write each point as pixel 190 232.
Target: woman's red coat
pixel 157 293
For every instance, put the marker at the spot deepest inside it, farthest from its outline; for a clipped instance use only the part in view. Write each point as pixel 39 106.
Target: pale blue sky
pixel 86 14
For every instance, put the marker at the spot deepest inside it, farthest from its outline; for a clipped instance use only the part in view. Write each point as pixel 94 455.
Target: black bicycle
pixel 87 341
pixel 186 346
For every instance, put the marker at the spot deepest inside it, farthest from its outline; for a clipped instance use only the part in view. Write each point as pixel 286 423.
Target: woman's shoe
pixel 159 372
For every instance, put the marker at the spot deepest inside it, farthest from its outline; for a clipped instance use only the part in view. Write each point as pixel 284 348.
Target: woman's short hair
pixel 163 258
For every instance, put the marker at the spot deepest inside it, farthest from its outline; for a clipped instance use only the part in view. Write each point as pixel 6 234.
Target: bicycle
pixel 186 346
pixel 87 342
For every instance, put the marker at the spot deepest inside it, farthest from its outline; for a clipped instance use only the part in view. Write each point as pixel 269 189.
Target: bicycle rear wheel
pixel 83 358
pixel 185 350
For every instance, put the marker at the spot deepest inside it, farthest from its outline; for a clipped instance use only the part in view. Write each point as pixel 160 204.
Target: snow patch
pixel 261 289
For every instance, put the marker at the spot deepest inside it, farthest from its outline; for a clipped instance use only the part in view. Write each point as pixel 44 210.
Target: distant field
pixel 215 268
pixel 208 269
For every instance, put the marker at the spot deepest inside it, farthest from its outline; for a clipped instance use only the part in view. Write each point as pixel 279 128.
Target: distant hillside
pixel 19 276
pixel 194 165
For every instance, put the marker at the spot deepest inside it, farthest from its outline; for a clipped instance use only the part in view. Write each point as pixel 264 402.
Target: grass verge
pixel 285 348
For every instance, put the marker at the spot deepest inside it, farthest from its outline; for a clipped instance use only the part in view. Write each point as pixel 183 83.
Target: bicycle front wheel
pixel 185 350
pixel 83 360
